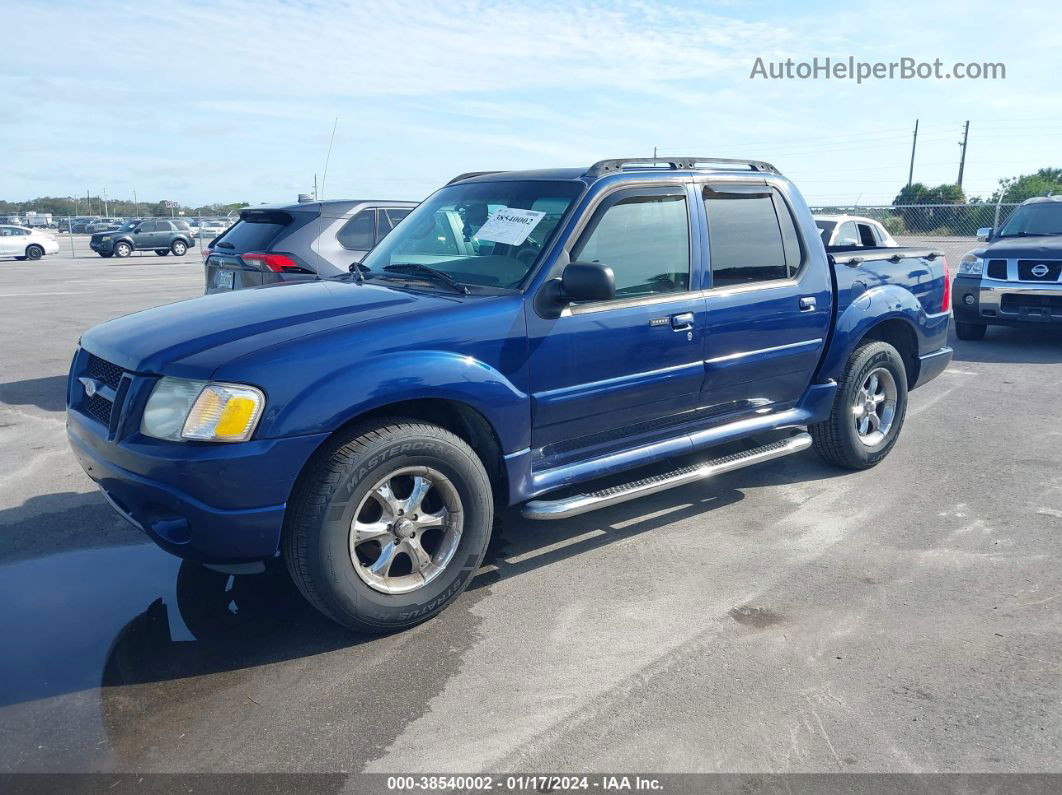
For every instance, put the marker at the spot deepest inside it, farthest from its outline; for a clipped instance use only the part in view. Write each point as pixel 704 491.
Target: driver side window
pixel 645 239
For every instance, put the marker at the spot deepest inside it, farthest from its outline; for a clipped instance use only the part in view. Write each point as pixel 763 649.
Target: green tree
pixel 1018 189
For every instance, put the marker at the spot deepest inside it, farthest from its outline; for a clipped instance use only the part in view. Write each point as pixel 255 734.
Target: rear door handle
pixel 807 303
pixel 682 321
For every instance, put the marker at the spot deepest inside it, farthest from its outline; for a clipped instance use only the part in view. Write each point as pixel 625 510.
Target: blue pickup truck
pixel 521 338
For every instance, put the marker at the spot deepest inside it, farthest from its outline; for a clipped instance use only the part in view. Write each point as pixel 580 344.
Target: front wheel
pixel 388 524
pixel 34 252
pixel 178 248
pixel 123 250
pixel 868 410
pixel 970 331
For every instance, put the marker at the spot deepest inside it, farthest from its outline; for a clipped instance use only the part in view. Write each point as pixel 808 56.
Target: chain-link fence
pixel 933 220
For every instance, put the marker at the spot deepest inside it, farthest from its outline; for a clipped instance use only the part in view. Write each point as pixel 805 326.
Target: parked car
pixel 12 220
pixel 209 229
pixel 21 242
pixel 104 225
pixel 518 336
pixel 298 242
pixel 161 235
pixel 79 226
pixel 853 230
pixel 1016 278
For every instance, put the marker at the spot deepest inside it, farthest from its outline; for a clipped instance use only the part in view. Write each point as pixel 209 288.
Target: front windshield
pixel 488 234
pixel 1034 219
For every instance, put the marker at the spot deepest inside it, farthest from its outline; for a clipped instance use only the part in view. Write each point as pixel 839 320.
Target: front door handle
pixel 807 303
pixel 682 321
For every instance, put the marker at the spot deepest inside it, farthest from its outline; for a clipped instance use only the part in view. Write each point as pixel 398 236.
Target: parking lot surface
pixel 790 617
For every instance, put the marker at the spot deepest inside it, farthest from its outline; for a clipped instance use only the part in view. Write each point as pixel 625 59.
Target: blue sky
pixel 233 100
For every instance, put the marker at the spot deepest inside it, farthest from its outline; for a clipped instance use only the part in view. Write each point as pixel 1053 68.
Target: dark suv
pixel 1015 278
pixel 298 242
pixel 161 235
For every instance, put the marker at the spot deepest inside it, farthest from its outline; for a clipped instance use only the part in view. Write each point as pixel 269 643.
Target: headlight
pixel 970 265
pixel 105 238
pixel 201 411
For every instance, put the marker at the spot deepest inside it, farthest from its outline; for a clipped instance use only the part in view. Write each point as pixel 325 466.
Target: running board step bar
pixel 591 501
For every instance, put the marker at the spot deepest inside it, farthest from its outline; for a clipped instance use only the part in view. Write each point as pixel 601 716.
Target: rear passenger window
pixel 866 236
pixel 645 239
pixel 751 238
pixel 357 233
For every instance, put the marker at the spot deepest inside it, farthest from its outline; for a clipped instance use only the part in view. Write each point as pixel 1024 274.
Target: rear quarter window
pixel 251 235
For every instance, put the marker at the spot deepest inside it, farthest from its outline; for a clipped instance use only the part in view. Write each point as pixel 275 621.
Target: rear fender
pixel 342 395
pixel 877 305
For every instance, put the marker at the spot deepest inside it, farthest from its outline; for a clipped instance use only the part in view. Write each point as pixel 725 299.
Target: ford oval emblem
pixel 92 386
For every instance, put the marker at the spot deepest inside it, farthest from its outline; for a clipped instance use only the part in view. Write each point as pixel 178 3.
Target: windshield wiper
pixel 417 269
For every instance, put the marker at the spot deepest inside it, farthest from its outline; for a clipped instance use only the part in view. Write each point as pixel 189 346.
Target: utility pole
pixel 962 143
pixel 654 153
pixel 136 204
pixel 914 143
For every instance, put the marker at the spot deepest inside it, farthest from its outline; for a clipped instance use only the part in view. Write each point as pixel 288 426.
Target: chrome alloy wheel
pixel 406 530
pixel 875 407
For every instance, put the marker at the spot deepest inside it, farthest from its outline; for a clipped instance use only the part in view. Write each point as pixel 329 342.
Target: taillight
pixel 276 262
pixel 206 253
pixel 945 304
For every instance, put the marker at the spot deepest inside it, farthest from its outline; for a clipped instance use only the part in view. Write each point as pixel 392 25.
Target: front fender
pixel 877 305
pixel 338 397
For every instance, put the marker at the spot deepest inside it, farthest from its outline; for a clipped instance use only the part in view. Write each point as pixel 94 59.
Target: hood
pixel 193 338
pixel 1043 247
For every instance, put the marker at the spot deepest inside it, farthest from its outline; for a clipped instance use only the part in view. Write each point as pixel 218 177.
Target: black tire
pixel 162 252
pixel 178 247
pixel 34 252
pixel 122 249
pixel 970 331
pixel 334 485
pixel 837 439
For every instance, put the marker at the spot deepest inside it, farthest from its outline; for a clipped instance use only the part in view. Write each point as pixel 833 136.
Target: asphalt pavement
pixel 790 617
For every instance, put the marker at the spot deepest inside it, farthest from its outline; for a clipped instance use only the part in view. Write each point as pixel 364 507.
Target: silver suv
pixel 298 242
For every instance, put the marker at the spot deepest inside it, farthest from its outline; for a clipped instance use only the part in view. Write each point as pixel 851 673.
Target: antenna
pixel 328 157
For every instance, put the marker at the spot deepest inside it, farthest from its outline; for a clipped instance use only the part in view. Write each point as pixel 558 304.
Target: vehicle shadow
pixel 1003 344
pixel 520 545
pixel 46 393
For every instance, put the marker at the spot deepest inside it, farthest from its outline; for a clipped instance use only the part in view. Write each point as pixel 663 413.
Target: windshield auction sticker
pixel 509 226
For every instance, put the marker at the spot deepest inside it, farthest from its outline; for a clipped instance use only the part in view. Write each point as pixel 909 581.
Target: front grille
pixel 1027 266
pixel 1013 302
pixel 997 269
pixel 99 407
pixel 110 374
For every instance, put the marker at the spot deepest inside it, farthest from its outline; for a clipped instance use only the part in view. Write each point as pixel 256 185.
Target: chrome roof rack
pixel 602 167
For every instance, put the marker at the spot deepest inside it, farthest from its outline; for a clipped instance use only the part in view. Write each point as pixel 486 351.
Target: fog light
pixel 968 299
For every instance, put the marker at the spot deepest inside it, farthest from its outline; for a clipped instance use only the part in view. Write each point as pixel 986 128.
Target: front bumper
pixel 102 247
pixel 997 302
pixel 213 503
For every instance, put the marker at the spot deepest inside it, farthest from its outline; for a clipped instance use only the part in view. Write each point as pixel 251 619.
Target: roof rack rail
pixel 470 174
pixel 678 163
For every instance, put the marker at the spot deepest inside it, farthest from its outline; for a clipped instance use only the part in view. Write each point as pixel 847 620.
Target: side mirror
pixel 588 281
pixel 984 233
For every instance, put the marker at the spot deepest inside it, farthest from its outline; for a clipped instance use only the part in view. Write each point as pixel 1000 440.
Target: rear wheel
pixel 868 410
pixel 122 249
pixel 970 331
pixel 388 524
pixel 162 252
pixel 34 252
pixel 178 248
